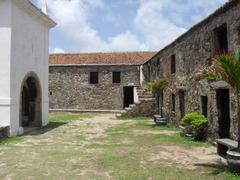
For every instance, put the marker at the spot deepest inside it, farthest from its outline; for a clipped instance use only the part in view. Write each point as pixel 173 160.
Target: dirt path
pixel 99 148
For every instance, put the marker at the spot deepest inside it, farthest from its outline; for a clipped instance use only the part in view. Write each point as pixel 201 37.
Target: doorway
pixel 128 96
pixel 204 104
pixel 182 103
pixel 223 112
pixel 30 103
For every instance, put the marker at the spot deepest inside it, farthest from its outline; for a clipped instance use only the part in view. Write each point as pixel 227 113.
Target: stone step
pixel 147 99
pixel 127 108
pixel 145 93
pixel 119 115
pixel 143 90
pixel 146 96
pixel 145 106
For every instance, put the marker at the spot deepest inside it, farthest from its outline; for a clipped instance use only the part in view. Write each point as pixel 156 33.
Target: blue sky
pixel 122 25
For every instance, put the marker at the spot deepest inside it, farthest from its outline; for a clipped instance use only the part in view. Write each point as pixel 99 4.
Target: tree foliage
pixel 157 87
pixel 225 67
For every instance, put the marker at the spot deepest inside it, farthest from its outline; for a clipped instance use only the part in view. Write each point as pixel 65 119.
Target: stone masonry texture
pixel 69 86
pixel 193 51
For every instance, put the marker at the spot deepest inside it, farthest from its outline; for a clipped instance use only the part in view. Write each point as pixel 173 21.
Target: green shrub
pixel 195 124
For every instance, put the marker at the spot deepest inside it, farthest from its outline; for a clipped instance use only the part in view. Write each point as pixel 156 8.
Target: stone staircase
pixel 146 105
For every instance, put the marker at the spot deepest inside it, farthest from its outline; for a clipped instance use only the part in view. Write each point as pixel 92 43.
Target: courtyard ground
pixel 87 146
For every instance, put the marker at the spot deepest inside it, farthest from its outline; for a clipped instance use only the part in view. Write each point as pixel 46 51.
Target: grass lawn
pixel 88 146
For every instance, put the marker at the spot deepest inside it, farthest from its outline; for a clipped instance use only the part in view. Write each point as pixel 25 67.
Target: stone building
pixel 24 34
pixel 95 81
pixel 178 62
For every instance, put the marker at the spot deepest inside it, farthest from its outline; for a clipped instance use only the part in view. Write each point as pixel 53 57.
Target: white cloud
pixel 155 29
pixel 58 50
pixel 71 17
pixel 157 23
pixel 125 42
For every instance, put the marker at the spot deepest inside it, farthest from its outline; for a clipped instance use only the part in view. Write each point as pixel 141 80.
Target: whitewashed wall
pixel 5 54
pixel 24 50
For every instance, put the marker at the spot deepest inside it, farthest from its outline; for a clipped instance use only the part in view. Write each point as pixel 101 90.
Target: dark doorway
pixel 30 111
pixel 182 103
pixel 173 103
pixel 204 103
pixel 128 96
pixel 223 112
pixel 221 39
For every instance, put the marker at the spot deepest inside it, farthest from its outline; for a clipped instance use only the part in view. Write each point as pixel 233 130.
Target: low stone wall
pixel 69 87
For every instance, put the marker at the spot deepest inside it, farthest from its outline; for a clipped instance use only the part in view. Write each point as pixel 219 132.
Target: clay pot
pixel 160 120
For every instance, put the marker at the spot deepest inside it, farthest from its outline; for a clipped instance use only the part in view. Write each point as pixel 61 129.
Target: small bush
pixel 195 124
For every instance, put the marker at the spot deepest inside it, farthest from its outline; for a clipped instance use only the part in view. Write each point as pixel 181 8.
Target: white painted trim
pixel 136 98
pixel 30 7
pixel 5 101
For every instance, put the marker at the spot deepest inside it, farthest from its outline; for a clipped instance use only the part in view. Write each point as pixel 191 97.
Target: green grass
pixel 180 140
pixel 129 168
pixel 124 161
pixel 126 151
pixel 146 126
pixel 58 119
pixel 229 175
pixel 134 118
pixel 11 140
pixel 80 137
pixel 61 154
pixel 118 133
pixel 66 117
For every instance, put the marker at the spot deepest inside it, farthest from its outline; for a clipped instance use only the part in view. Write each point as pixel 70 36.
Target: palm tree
pixel 226 67
pixel 157 89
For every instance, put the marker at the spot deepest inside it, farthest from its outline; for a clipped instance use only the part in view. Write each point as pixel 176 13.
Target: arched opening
pixel 30 102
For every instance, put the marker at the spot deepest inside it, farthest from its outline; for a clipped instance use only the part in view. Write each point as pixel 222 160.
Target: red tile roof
pixel 114 58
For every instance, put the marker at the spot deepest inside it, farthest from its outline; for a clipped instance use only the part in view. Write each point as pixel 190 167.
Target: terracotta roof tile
pixel 114 58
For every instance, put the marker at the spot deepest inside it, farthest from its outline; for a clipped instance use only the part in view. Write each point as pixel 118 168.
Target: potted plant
pixel 227 67
pixel 194 125
pixel 157 88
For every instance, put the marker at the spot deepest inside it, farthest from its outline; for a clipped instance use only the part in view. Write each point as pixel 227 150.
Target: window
pixel 238 32
pixel 116 77
pixel 173 102
pixel 221 39
pixel 50 93
pixel 158 61
pixel 173 64
pixel 93 78
pixel 204 104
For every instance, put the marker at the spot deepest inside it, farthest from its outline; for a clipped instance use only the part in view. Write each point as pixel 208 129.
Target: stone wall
pixel 69 87
pixel 194 50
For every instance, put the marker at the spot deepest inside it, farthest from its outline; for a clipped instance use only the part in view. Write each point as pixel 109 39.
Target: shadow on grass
pixel 11 140
pixel 51 125
pixel 220 169
pixel 216 168
pixel 159 127
pixel 59 119
pixel 54 124
pixel 34 131
pixel 125 117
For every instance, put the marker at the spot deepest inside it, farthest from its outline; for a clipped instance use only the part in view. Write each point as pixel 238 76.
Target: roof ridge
pixel 113 58
pixel 110 52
